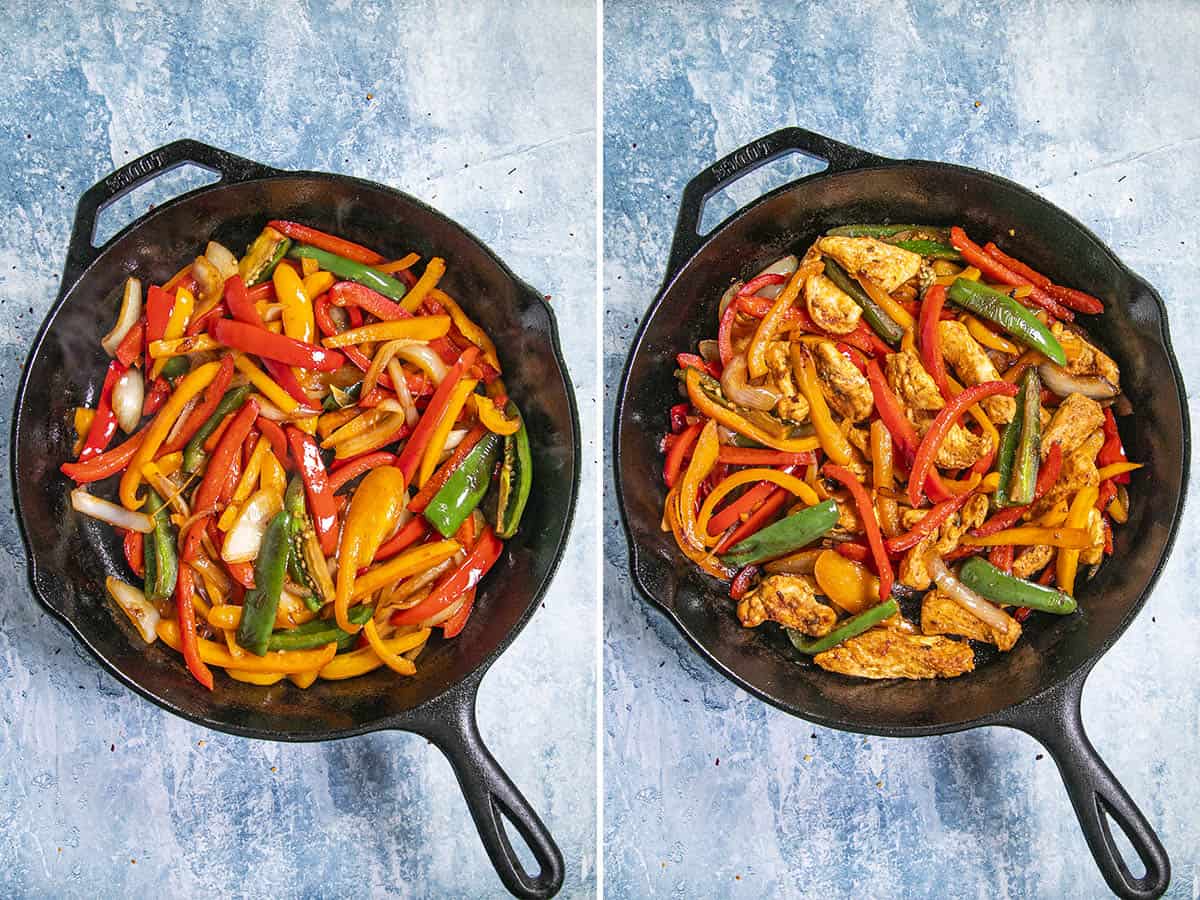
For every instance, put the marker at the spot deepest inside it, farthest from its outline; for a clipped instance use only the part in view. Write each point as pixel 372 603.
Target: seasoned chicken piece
pixel 941 615
pixel 913 386
pixel 885 653
pixel 794 409
pixel 913 571
pixel 860 439
pixel 960 448
pixel 1083 357
pixel 846 388
pixel 885 265
pixel 1078 471
pixel 1032 561
pixel 1075 418
pixel 848 522
pixel 974 512
pixel 831 307
pixel 974 366
pixel 790 601
pixel 1095 526
pixel 792 404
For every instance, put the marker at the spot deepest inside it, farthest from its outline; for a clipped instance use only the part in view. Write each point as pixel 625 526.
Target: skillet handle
pixel 837 156
pixel 81 251
pixel 492 797
pixel 1097 796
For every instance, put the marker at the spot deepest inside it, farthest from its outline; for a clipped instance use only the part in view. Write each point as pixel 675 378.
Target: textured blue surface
pixel 1090 105
pixel 488 115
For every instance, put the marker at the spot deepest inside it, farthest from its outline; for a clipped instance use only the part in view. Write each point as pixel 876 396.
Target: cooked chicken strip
pixel 1076 418
pixel 790 601
pixel 1095 527
pixel 913 571
pixel 1032 561
pixel 974 366
pixel 792 404
pixel 910 382
pixel 846 388
pixel 1078 471
pixel 941 615
pixel 884 653
pixel 885 265
pixel 1083 357
pixel 831 307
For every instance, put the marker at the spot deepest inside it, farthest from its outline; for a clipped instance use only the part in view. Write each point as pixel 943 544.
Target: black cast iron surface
pixel 1037 686
pixel 69 555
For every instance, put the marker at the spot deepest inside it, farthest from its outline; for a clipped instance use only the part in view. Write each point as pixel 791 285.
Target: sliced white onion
pixel 710 351
pixel 400 383
pixel 131 311
pixel 733 385
pixel 118 516
pixel 142 613
pixel 425 358
pixel 448 613
pixel 244 539
pixel 785 266
pixel 727 298
pixel 128 394
pixel 981 608
pixel 453 439
pixel 1062 382
pixel 220 256
pixel 273 312
pixel 209 281
pixel 181 422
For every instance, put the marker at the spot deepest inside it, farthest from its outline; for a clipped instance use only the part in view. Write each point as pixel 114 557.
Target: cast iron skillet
pixel 1037 686
pixel 69 556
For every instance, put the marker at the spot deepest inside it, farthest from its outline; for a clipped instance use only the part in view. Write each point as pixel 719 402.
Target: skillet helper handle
pixel 82 251
pixel 1096 795
pixel 492 798
pixel 837 156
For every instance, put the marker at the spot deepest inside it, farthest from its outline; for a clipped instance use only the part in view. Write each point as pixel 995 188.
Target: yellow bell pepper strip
pixel 410 562
pixel 750 476
pixel 833 442
pixel 467 328
pixel 181 314
pixel 191 385
pixel 989 338
pixel 437 441
pixel 391 428
pixel 304 680
pixel 702 558
pixel 989 483
pixel 298 319
pixel 282 661
pixel 731 420
pixel 1068 558
pixel 1117 510
pixel 884 301
pixel 422 328
pixel 263 679
pixel 359 662
pixel 704 457
pixel 246 483
pixel 271 475
pixel 434 270
pixel 1114 469
pixel 756 353
pixel 83 422
pixel 883 479
pixel 374 510
pixel 266 386
pixel 309 266
pixel 398 265
pixel 316 284
pixel 493 418
pixel 330 422
pixel 1027 535
pixel 169 348
pixel 360 424
pixel 393 661
pixel 1055 516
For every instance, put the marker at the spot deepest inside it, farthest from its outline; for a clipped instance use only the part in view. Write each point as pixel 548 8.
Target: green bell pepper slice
pixel 1023 482
pixel 1007 313
pixel 516 478
pixel 885 326
pixel 351 270
pixel 785 536
pixel 851 627
pixel 319 632
pixel 982 577
pixel 193 453
pixel 159 552
pixel 262 601
pixel 465 487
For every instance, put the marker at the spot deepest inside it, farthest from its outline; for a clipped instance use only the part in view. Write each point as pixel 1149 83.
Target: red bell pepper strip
pixel 866 512
pixel 279 347
pixel 854 355
pixel 675 456
pixel 347 470
pixel 1108 491
pixel 754 285
pixel 158 312
pixel 1023 612
pixel 454 625
pixel 241 306
pixel 756 521
pixel 274 434
pixel 763 456
pixel 1047 575
pixel 725 333
pixel 742 581
pixel 132 544
pixel 860 553
pixel 205 319
pixel 679 414
pixel 931 339
pixel 186 613
pixel 106 464
pixel 226 455
pixel 131 345
pixel 204 409
pixel 321 505
pixel 239 301
pixel 260 293
pixel 160 390
pixel 248 445
pixel 1112 451
pixel 242 573
pixel 1047 476
pixel 949 414
pixel 1077 300
pixel 735 509
pixel 1002 558
pixel 104 422
pixel 997 271
pixel 410 456
pixel 758 307
pixel 456 582
pixel 351 293
pixel 439 478
pixel 904 435
pixel 695 361
pixel 927 526
pixel 408 535
pixel 328 242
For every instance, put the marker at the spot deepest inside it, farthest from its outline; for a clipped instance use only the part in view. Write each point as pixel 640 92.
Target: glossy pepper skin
pixel 1023 481
pixel 262 601
pixel 516 477
pixel 161 558
pixel 1009 315
pixel 465 487
pixel 280 348
pixel 321 505
pixel 846 630
pixel 351 270
pixel 318 632
pixel 785 536
pixel 231 400
pixel 456 582
pixel 374 511
pixel 1007 452
pixel 104 422
pixel 986 579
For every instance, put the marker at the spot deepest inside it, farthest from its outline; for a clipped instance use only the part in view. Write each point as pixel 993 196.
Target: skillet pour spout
pixel 69 558
pixel 1037 687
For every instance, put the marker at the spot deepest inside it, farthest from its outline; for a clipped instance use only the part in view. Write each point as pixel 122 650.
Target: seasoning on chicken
pixel 918 393
pixel 941 615
pixel 1028 563
pixel 792 404
pixel 1078 471
pixel 846 388
pixel 885 265
pixel 913 570
pixel 886 653
pixel 790 601
pixel 1076 418
pixel 974 366
pixel 1083 357
pixel 831 307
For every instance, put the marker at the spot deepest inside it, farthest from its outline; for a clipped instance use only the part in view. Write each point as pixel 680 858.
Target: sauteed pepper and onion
pixel 318 460
pixel 898 446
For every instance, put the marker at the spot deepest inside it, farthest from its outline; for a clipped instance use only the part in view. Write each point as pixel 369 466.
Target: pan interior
pixel 1132 329
pixel 72 555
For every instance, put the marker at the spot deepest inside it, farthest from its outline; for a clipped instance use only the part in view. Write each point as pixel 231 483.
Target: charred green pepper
pixel 1023 481
pixel 1007 452
pixel 319 632
pixel 851 627
pixel 351 270
pixel 516 478
pixel 263 256
pixel 262 601
pixel 785 536
pixel 930 249
pixel 1007 313
pixel 885 326
pixel 193 453
pixel 465 487
pixel 306 562
pixel 159 554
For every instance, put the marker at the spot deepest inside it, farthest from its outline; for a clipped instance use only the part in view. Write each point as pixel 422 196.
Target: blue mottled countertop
pixel 484 113
pixel 1091 106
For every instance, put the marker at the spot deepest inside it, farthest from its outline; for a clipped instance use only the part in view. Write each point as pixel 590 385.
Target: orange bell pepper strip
pixel 784 480
pixel 1077 518
pixel 422 328
pixel 731 420
pixel 833 441
pixel 434 270
pixel 372 516
pixel 467 328
pixel 704 458
pixel 298 320
pixel 866 512
pixel 756 354
pixel 437 440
